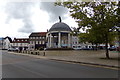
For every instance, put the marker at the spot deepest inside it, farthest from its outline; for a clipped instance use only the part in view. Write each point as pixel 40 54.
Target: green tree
pixel 100 17
pixel 83 37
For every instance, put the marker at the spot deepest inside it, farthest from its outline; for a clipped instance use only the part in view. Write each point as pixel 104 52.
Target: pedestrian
pixel 44 52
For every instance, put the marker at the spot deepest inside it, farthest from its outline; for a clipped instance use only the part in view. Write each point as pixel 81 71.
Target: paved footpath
pixel 81 56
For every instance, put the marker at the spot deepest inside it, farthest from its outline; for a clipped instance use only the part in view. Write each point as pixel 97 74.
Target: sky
pixel 20 18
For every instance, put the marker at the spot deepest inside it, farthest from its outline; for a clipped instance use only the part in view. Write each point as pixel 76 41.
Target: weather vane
pixel 60 18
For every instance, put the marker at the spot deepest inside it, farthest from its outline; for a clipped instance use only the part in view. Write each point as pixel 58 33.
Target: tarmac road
pixel 18 66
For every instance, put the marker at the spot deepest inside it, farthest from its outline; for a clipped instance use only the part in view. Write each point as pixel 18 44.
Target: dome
pixel 60 26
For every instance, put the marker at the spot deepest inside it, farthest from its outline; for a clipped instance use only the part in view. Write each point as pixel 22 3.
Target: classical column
pixel 50 40
pixel 59 40
pixel 69 40
pixel 53 41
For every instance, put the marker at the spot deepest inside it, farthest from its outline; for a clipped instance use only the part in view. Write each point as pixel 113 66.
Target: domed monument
pixel 59 36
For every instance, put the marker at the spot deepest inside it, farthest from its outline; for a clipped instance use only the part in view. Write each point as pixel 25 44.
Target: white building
pixel 77 45
pixel 21 43
pixel 7 43
pixel 59 36
pixel 1 43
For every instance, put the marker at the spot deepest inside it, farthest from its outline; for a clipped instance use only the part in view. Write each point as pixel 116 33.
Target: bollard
pixel 38 53
pixel 43 53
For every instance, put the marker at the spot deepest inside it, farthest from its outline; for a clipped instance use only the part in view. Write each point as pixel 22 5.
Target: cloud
pixel 20 10
pixel 28 26
pixel 53 11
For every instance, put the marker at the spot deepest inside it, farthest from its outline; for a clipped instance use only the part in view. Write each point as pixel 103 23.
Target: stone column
pixel 59 40
pixel 50 41
pixel 53 42
pixel 69 40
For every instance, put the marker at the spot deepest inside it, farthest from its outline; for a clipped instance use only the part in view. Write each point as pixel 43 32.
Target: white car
pixel 12 49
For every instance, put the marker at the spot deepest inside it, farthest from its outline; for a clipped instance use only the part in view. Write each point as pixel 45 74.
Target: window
pixel 30 42
pixel 16 44
pixel 75 42
pixel 39 42
pixel 36 42
pixel 43 42
pixel 41 37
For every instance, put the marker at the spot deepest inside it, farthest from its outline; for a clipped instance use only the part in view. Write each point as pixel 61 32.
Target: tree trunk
pixel 107 52
pixel 96 46
pixel 106 46
pixel 92 47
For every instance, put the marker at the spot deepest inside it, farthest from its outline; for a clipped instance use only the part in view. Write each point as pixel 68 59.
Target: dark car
pixel 118 48
pixel 113 48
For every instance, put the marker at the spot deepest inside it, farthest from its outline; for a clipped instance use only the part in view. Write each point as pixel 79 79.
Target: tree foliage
pixel 98 17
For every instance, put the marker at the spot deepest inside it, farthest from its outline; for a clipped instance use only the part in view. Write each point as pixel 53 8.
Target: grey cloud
pixel 20 10
pixel 27 26
pixel 53 11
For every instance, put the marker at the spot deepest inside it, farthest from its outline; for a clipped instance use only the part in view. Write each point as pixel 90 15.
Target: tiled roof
pixel 21 40
pixel 37 34
pixel 60 26
pixel 8 38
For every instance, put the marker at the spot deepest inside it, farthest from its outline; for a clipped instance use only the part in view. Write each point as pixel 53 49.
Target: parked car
pixel 118 48
pixel 13 49
pixel 87 48
pixel 113 48
pixel 77 48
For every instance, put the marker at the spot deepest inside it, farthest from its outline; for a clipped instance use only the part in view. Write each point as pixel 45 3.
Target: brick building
pixel 37 40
